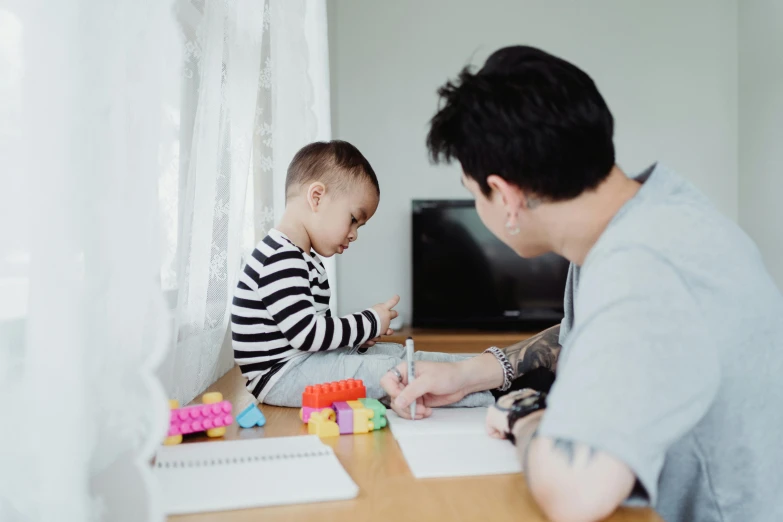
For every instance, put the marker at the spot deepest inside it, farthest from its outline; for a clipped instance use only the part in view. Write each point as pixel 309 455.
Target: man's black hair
pixel 531 118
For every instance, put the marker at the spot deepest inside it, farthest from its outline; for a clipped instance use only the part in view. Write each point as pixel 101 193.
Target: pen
pixel 409 358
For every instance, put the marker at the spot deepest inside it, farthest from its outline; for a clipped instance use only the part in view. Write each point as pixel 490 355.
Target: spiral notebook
pixel 225 475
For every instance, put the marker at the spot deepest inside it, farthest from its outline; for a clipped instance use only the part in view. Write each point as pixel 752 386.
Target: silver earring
pixel 512 228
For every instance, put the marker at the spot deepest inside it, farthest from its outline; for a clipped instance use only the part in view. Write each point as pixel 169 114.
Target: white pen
pixel 409 358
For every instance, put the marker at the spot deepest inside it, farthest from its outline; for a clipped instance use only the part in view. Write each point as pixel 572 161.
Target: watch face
pixel 506 401
pixel 529 401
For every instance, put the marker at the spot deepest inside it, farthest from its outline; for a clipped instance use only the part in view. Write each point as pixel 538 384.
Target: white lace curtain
pixel 120 155
pixel 254 90
pixel 82 89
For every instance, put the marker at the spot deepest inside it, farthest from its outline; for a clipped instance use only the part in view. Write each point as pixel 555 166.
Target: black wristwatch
pixel 523 407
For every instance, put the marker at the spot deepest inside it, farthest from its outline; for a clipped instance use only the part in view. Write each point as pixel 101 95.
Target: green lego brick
pixel 379 412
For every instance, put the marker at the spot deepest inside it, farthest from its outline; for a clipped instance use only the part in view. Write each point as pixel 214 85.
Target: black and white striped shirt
pixel 281 312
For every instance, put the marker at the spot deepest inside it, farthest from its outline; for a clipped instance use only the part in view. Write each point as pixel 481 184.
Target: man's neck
pixel 291 225
pixel 578 224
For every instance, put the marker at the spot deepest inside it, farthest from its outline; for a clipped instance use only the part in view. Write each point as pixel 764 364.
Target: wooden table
pixel 457 341
pixel 388 491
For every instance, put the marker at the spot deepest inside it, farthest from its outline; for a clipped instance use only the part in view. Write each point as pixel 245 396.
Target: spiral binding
pixel 177 464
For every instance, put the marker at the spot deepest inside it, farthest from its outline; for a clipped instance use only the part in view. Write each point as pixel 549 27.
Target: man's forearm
pixel 540 351
pixel 570 480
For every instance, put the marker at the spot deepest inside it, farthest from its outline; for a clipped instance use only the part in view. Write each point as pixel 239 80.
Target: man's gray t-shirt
pixel 672 358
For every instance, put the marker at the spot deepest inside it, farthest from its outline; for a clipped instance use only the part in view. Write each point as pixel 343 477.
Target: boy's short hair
pixel 336 163
pixel 531 118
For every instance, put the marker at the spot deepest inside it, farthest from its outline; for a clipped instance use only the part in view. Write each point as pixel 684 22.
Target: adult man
pixel 669 373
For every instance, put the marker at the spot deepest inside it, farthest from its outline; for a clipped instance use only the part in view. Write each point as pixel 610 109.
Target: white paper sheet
pixel 442 421
pixel 453 443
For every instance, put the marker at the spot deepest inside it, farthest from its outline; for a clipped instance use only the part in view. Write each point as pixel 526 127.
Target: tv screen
pixel 464 277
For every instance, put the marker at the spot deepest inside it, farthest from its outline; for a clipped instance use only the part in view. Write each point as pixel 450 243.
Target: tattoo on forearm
pixel 540 351
pixel 571 450
pixel 566 448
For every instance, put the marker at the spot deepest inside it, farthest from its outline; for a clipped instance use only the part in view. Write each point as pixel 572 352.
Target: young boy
pixel 284 336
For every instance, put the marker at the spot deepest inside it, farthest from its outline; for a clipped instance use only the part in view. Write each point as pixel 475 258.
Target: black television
pixel 464 277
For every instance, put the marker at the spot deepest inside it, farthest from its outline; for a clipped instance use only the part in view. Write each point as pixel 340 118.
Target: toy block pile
pixel 339 408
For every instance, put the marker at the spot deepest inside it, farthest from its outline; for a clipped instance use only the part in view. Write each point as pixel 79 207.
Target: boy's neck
pixel 294 229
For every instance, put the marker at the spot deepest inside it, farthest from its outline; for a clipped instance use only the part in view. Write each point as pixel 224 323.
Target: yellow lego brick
pixel 322 423
pixel 361 417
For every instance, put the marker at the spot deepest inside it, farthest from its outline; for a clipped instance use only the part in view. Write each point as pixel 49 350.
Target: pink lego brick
pixel 344 414
pixel 200 417
pixel 307 410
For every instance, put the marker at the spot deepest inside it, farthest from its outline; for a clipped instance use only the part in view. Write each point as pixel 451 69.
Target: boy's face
pixel 338 215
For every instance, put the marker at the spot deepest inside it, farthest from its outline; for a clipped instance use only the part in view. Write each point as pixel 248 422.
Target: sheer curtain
pixel 83 321
pixel 255 88
pixel 134 135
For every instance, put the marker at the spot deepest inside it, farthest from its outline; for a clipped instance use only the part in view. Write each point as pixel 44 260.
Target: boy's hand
pixel 372 342
pixel 386 313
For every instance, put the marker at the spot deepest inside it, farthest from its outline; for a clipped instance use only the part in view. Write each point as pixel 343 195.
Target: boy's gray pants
pixel 347 363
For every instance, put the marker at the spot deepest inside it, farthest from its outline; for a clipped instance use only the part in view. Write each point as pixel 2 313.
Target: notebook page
pixel 225 475
pixel 442 421
pixel 453 443
pixel 458 455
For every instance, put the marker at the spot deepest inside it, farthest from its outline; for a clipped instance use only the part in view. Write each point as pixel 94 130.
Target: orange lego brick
pixel 324 395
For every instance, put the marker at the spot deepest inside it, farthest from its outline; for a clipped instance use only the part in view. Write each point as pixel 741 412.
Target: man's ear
pixel 315 194
pixel 513 197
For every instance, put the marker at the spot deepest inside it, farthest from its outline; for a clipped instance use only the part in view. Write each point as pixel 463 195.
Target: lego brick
pixel 200 417
pixel 344 414
pixel 250 417
pixel 171 440
pixel 306 411
pixel 322 424
pixel 361 417
pixel 214 398
pixel 324 395
pixel 379 418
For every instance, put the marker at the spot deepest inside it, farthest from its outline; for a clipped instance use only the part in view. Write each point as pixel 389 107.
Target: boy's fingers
pixel 391 303
pixel 393 314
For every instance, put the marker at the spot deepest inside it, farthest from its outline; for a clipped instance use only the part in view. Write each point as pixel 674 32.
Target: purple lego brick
pixel 306 411
pixel 344 414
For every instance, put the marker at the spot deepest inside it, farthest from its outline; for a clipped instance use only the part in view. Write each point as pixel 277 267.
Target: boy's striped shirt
pixel 281 312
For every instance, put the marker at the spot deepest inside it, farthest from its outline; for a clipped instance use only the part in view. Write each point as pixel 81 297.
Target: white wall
pixel 668 70
pixel 761 128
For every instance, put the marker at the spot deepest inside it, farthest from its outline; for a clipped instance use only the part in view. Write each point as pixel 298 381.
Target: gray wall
pixel 668 70
pixel 761 128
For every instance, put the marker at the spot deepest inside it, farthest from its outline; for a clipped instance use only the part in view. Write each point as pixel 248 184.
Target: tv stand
pixel 457 341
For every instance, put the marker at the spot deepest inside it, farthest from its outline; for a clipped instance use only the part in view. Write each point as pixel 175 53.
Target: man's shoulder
pixel 671 217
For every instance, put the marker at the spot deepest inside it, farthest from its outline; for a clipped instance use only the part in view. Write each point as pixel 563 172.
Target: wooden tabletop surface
pixel 387 490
